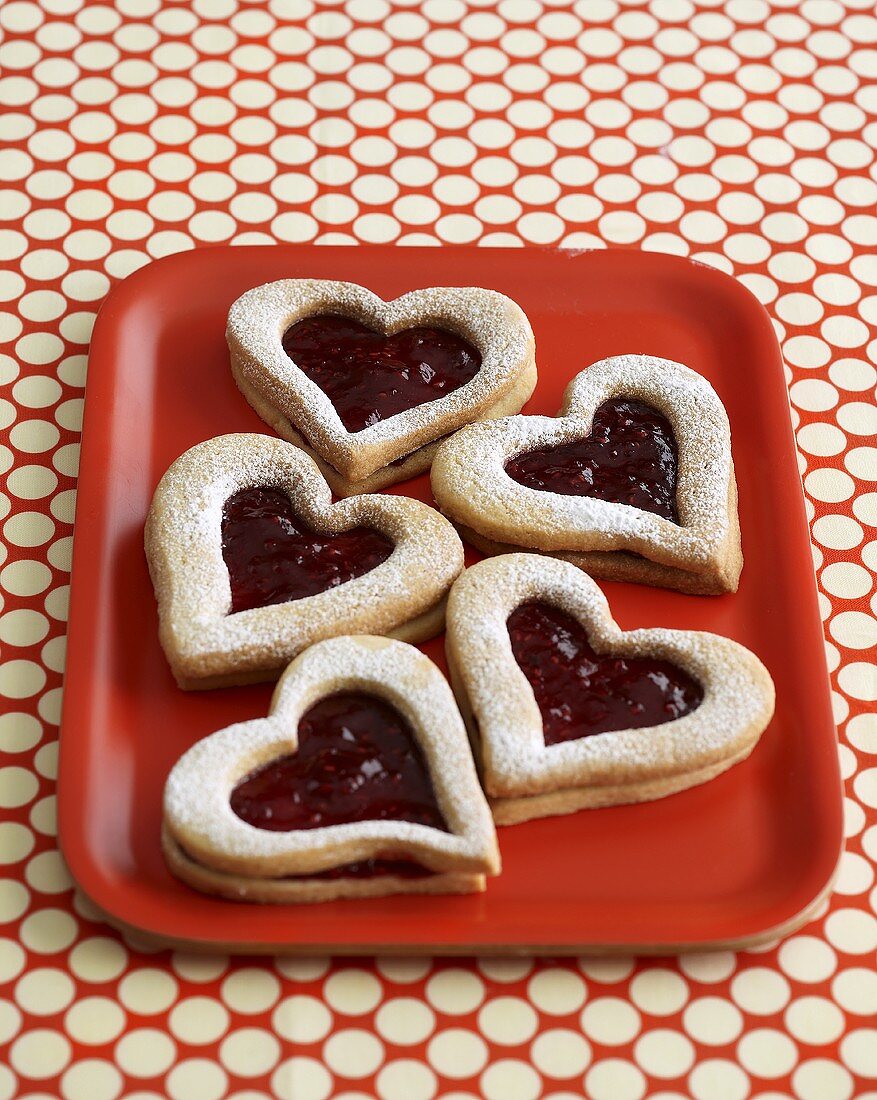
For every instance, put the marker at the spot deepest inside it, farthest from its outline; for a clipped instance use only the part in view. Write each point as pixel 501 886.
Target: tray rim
pixel 85 871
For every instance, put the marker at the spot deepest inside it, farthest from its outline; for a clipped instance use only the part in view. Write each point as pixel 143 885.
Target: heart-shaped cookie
pixel 359 783
pixel 369 387
pixel 251 561
pixel 633 480
pixel 567 711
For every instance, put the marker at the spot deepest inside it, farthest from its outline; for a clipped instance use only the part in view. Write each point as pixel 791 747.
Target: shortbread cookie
pixel 359 783
pixel 633 480
pixel 369 387
pixel 252 562
pixel 567 711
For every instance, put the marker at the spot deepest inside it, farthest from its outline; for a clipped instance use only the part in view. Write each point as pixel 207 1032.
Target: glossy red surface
pixel 357 760
pixel 370 377
pixel 629 458
pixel 272 556
pixel 731 859
pixel 580 692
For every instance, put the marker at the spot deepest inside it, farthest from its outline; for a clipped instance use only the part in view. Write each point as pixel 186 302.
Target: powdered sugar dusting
pixel 183 541
pixel 472 487
pixel 200 818
pixel 737 703
pixel 490 321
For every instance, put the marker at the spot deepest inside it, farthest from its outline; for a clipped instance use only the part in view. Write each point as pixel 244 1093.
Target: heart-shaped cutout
pixel 360 782
pixel 369 387
pixel 653 711
pixel 272 556
pixel 628 458
pixel 633 480
pixel 581 692
pixel 252 562
pixel 370 377
pixel 356 760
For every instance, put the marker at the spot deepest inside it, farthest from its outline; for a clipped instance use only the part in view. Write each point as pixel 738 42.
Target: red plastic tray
pixel 741 859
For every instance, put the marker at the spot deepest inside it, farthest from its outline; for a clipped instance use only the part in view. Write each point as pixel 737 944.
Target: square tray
pixel 740 860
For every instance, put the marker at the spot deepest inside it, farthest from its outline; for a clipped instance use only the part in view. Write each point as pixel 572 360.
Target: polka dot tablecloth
pixel 741 133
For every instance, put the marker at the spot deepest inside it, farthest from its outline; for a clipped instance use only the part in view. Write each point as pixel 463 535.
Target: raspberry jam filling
pixel 357 760
pixel 273 557
pixel 370 377
pixel 580 692
pixel 630 457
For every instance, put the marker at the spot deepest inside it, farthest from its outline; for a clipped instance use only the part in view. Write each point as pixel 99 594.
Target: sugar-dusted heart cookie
pixel 359 783
pixel 567 711
pixel 633 480
pixel 251 561
pixel 368 387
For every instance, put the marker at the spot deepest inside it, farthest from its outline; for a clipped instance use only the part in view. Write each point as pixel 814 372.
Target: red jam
pixel 629 458
pixel 580 692
pixel 273 557
pixel 370 377
pixel 357 760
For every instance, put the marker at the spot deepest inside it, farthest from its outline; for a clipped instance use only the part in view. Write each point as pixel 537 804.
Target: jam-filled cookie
pixel 633 480
pixel 369 387
pixel 567 711
pixel 252 562
pixel 359 783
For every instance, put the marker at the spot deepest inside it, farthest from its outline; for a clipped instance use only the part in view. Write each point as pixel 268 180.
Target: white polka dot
pixel 94 1021
pixel 199 1020
pixel 250 990
pixel 814 1020
pixel 768 1053
pixel 16 842
pixel 610 1021
pixel 664 1053
pixel 719 1079
pixel 403 969
pixel 560 1052
pixel 13 900
pixel 855 990
pixel 556 991
pixel 859 680
pixel 457 1053
pixel 353 1052
pixel 18 786
pixel 197 1079
pixel 302 1019
pixel 502 969
pixel 301 1079
pixel 454 992
pixel 614 1079
pixel 249 1052
pixel 47 872
pixel 837 532
pixel 510 1079
pixel 508 1021
pixel 712 1021
pixel 145 1052
pixel 98 959
pixel 708 967
pixel 658 991
pixel 40 1054
pixel 352 992
pixel 405 1079
pixel 23 627
pixel 821 1079
pixel 148 991
pixel 44 991
pixel 405 1021
pixel 854 931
